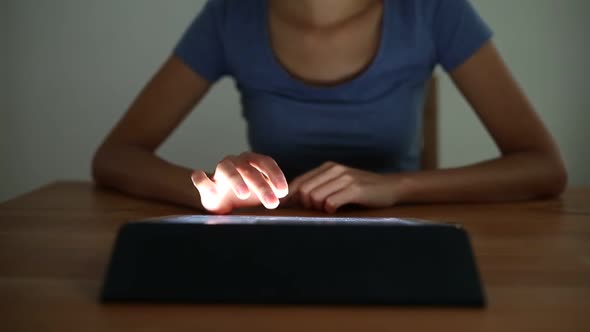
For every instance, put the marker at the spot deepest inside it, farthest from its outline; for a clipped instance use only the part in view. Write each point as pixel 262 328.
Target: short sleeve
pixel 201 46
pixel 459 31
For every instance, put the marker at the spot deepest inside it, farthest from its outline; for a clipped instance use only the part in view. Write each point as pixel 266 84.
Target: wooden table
pixel 55 243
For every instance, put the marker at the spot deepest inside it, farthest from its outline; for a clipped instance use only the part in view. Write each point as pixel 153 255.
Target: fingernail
pixel 282 193
pixel 243 190
pixel 270 198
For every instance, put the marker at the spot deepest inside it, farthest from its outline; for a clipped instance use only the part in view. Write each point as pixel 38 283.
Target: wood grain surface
pixel 55 243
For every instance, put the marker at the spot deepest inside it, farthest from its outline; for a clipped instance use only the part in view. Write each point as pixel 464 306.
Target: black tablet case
pixel 378 264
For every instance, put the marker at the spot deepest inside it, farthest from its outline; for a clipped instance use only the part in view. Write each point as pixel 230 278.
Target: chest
pixel 327 56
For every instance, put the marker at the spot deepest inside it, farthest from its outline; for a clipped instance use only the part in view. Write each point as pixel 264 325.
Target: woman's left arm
pixel 530 165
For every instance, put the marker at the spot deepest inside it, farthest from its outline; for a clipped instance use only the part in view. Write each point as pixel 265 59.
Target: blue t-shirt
pixel 371 122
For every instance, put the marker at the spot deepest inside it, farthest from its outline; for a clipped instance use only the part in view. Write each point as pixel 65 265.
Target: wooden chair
pixel 430 152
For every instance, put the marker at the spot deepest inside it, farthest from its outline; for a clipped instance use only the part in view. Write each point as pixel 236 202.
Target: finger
pixel 296 183
pixel 312 183
pixel 259 186
pixel 203 184
pixel 272 171
pixel 207 190
pixel 348 195
pixel 319 195
pixel 227 175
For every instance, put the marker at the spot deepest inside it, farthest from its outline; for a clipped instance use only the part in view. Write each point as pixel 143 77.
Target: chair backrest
pixel 430 153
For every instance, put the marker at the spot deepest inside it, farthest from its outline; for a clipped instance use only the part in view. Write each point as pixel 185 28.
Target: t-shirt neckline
pixel 299 84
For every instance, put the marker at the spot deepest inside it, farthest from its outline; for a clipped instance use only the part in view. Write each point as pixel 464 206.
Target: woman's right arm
pixel 126 160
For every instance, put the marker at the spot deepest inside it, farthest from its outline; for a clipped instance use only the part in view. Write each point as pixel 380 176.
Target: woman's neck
pixel 320 13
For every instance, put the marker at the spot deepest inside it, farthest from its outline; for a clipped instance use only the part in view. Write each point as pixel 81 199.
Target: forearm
pixel 141 173
pixel 519 176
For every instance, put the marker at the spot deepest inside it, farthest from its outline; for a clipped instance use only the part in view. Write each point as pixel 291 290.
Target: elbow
pixel 555 179
pixel 99 165
pixel 559 182
pixel 95 168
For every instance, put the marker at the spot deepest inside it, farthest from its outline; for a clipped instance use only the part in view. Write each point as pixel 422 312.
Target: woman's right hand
pixel 246 180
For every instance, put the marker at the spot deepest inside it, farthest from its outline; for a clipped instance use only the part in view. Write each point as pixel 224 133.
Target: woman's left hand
pixel 332 186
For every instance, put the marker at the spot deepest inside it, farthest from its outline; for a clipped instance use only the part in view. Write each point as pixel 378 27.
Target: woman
pixel 332 92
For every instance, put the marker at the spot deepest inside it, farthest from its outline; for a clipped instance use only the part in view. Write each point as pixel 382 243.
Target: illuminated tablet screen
pixel 275 220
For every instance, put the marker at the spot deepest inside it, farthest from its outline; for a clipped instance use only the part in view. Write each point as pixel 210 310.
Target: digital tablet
pixel 292 260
